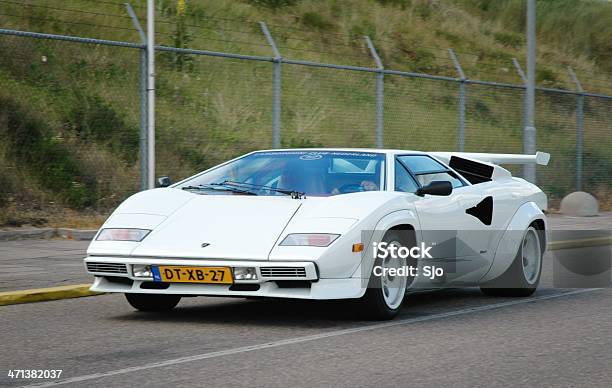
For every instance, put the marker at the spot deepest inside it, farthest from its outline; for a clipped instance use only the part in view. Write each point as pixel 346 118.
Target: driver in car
pixel 365 185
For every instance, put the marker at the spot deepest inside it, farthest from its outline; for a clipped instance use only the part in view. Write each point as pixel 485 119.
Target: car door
pixel 458 239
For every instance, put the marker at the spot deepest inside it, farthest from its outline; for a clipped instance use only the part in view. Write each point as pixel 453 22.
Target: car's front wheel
pixel 385 294
pixel 523 276
pixel 153 302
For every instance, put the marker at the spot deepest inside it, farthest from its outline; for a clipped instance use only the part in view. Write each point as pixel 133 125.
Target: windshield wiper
pixel 293 193
pixel 219 187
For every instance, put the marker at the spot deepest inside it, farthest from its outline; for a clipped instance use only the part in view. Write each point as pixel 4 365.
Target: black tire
pixel 153 302
pixel 373 305
pixel 513 282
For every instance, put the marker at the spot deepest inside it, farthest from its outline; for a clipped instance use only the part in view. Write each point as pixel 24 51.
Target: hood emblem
pixel 204 245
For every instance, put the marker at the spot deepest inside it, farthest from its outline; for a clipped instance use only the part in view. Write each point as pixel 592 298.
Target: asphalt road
pixel 27 264
pixel 558 337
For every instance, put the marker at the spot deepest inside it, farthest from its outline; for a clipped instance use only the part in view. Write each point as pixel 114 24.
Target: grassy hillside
pixel 69 112
pixel 577 27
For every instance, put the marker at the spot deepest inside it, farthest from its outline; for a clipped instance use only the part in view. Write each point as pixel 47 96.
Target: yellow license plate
pixel 183 274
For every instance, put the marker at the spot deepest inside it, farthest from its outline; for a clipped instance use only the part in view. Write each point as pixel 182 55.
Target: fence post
pixel 276 88
pixel 521 73
pixel 529 131
pixel 380 93
pixel 579 127
pixel 150 94
pixel 142 86
pixel 461 123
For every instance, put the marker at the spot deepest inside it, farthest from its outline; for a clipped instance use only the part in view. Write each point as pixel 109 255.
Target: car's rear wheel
pixel 385 294
pixel 153 302
pixel 523 276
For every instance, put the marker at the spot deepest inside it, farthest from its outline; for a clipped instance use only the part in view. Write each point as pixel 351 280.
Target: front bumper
pixel 274 279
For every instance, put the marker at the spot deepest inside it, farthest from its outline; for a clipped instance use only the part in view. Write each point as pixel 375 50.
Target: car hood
pixel 189 225
pixel 221 227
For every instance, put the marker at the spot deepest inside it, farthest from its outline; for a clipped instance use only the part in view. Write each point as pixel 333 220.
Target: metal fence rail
pixel 470 114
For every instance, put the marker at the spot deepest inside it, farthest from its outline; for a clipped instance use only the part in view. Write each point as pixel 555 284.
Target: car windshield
pixel 313 173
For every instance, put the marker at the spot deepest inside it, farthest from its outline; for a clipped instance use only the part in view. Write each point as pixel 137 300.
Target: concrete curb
pixel 76 234
pixel 27 234
pixel 581 243
pixel 43 233
pixel 45 294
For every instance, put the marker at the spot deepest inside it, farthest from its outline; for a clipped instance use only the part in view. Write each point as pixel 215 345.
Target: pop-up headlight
pixel 309 239
pixel 122 234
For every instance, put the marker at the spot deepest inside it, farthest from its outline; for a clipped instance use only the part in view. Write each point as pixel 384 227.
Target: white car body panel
pixel 247 231
pixel 509 243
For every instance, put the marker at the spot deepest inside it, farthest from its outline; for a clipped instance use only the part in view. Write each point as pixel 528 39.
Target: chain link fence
pixel 219 109
pixel 81 135
pixel 327 107
pixel 62 143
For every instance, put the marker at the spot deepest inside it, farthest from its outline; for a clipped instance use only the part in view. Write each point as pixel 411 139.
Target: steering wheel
pixel 350 188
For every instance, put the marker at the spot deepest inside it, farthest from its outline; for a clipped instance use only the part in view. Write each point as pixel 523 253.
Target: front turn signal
pixel 358 247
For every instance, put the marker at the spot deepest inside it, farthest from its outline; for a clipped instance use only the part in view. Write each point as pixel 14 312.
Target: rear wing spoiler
pixel 480 167
pixel 541 158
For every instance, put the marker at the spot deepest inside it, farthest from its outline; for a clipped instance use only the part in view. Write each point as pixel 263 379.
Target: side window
pixel 403 180
pixel 427 170
pixel 420 164
pixel 425 179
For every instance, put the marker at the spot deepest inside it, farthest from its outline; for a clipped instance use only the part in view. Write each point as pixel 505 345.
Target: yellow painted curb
pixel 44 294
pixel 581 243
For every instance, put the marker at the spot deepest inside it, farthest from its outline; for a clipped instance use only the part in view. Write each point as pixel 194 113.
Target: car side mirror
pixel 436 188
pixel 163 181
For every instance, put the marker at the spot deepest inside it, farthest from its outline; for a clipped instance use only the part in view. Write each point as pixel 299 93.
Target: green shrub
pixel 364 27
pixel 93 119
pixel 6 187
pixel 546 76
pixel 45 157
pixel 300 142
pixel 195 158
pixel 419 60
pixel 508 39
pixel 315 20
pixel 273 4
pixel 403 4
pixel 453 39
pixel 423 10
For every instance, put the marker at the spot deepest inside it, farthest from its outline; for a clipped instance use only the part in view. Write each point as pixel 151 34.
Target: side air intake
pixel 471 170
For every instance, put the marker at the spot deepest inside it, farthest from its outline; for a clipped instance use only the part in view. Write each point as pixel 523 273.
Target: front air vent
pixel 106 267
pixel 244 287
pixel 283 272
pixel 154 286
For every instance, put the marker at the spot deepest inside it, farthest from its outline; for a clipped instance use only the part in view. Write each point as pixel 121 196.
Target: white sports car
pixel 361 224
